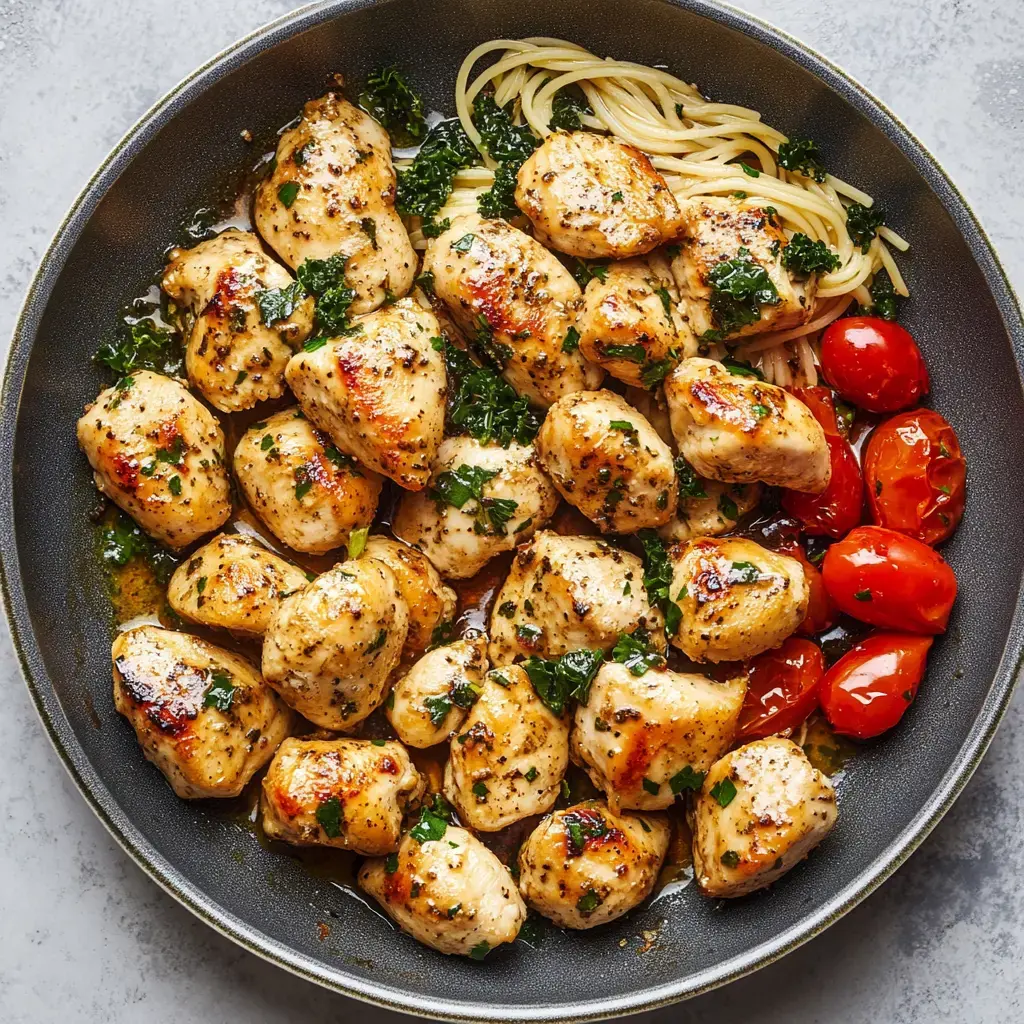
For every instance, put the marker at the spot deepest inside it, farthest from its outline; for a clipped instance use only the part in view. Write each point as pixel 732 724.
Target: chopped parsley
pixel 357 541
pixel 142 346
pixel 730 858
pixel 378 641
pixel 863 595
pixel 739 287
pixel 741 368
pixel 750 172
pixel 650 786
pixel 588 902
pixel 690 484
pixel 686 778
pixel 724 792
pixel 287 192
pixel 326 280
pixel 433 822
pixel 635 652
pixel 121 540
pixel 744 572
pixel 580 826
pixel 727 507
pixel 586 270
pixel 572 340
pixel 277 304
pixel 220 694
pixel 328 816
pixel 174 485
pixel 480 950
pixel 464 244
pixel 458 486
pixel 803 157
pixel 438 708
pixel 559 680
pixel 658 580
pixel 369 228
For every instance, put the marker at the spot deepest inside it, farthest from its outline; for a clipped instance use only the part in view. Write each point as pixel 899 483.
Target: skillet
pixel 182 154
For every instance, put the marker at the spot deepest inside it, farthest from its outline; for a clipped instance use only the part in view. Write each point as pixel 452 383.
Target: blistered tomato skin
pixel 822 404
pixel 782 689
pixel 915 474
pixel 890 580
pixel 873 363
pixel 837 510
pixel 866 692
pixel 822 612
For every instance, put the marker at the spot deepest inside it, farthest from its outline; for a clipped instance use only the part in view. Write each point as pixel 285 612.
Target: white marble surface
pixel 86 938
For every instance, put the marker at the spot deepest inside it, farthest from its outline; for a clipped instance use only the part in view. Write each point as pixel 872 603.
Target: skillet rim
pixel 166 875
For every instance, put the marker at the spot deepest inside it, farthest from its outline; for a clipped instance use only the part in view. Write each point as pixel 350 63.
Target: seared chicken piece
pixel 431 601
pixel 644 739
pixel 509 759
pixel 517 301
pixel 332 192
pixel 349 794
pixel 310 495
pixel 718 229
pixel 233 582
pixel 517 498
pixel 740 429
pixel 564 593
pixel 330 648
pixel 431 700
pixel 451 893
pixel 761 810
pixel 737 598
pixel 379 392
pixel 159 455
pixel 608 461
pixel 244 321
pixel 202 715
pixel 630 324
pixel 591 195
pixel 585 866
pixel 709 508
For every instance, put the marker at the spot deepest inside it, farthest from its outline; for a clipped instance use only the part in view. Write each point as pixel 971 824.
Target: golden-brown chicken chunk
pixel 349 794
pixel 515 498
pixel 644 739
pixel 708 508
pixel 310 495
pixel 247 316
pixel 516 301
pixel 432 699
pixel 330 648
pixel 591 195
pixel 719 229
pixel 159 455
pixel 332 192
pixel 608 461
pixel 202 715
pixel 737 598
pixel 379 392
pixel 509 759
pixel 450 893
pixel 564 593
pixel 233 582
pixel 431 601
pixel 585 866
pixel 740 429
pixel 761 810
pixel 631 325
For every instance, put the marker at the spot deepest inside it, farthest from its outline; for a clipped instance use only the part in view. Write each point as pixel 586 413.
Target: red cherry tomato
pixel 782 689
pixel 837 510
pixel 873 363
pixel 822 404
pixel 890 580
pixel 821 610
pixel 867 690
pixel 915 475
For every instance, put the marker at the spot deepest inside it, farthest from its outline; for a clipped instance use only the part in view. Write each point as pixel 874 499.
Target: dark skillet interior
pixel 59 608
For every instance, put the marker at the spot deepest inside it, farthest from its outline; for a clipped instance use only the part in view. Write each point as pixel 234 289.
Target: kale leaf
pixel 739 287
pixel 143 346
pixel 803 157
pixel 509 145
pixel 802 256
pixel 425 186
pixel 388 97
pixel 862 223
pixel 559 680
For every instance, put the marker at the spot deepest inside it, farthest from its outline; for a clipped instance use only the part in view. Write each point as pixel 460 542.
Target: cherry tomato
pixel 915 473
pixel 837 510
pixel 821 610
pixel 890 580
pixel 873 363
pixel 782 689
pixel 822 404
pixel 867 690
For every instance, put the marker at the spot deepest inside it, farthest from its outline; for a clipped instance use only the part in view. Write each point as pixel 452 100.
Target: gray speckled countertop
pixel 87 938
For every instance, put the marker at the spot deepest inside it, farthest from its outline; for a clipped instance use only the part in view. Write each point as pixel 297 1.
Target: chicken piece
pixel 585 866
pixel 509 759
pixel 450 893
pixel 517 301
pixel 718 229
pixel 740 429
pixel 708 508
pixel 564 593
pixel 349 794
pixel 737 598
pixel 332 192
pixel 608 461
pixel 159 455
pixel 233 582
pixel 431 601
pixel 245 318
pixel 591 195
pixel 644 739
pixel 761 810
pixel 330 648
pixel 202 715
pixel 310 495
pixel 380 392
pixel 431 700
pixel 631 326
pixel 515 498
